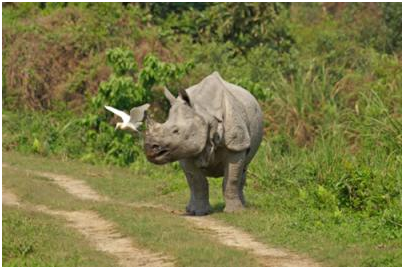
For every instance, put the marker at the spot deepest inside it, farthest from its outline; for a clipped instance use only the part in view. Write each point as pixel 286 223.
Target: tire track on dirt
pixel 100 232
pixel 223 233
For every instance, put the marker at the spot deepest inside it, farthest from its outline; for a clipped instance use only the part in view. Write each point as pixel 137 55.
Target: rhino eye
pixel 175 131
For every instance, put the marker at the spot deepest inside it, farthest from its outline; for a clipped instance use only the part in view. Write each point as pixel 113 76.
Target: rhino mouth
pixel 158 157
pixel 161 153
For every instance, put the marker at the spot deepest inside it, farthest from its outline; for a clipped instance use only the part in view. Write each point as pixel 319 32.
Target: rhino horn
pixel 150 124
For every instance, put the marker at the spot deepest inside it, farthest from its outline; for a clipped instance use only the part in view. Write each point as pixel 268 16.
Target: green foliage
pixel 125 89
pixel 160 11
pixel 326 198
pixel 251 24
pixel 122 61
pixel 156 72
pixel 393 19
pixel 256 89
pixel 246 25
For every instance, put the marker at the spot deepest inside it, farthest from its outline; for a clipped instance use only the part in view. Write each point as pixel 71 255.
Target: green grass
pixel 35 239
pixel 350 241
pixel 279 217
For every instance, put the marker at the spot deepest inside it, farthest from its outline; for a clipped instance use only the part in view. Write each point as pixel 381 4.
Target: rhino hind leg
pixel 241 186
pixel 233 183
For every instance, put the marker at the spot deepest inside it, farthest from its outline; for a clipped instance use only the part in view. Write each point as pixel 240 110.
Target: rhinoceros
pixel 213 129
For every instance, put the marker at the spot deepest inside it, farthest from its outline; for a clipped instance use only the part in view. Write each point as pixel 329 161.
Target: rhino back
pixel 248 102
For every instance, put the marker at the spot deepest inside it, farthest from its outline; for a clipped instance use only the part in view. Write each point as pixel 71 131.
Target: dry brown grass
pixel 55 59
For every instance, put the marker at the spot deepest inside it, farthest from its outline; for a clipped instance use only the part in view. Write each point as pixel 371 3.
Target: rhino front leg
pixel 198 184
pixel 233 182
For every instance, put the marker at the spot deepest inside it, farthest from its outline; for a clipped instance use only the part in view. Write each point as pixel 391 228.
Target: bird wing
pixel 125 117
pixel 134 127
pixel 138 114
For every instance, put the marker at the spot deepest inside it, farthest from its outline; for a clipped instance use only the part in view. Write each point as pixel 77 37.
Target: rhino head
pixel 183 135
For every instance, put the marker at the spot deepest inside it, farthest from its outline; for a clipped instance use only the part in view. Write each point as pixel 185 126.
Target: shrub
pixel 246 25
pixel 126 88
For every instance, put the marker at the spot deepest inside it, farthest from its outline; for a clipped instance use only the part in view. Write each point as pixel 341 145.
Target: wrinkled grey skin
pixel 213 129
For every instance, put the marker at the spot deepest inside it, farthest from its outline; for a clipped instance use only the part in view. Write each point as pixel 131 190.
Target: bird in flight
pixel 132 121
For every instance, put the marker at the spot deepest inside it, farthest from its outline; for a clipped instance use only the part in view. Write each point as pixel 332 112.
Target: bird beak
pixel 116 127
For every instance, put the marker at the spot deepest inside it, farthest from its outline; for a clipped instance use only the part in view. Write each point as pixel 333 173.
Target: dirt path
pixel 78 188
pixel 100 232
pixel 75 187
pixel 223 233
pixel 233 237
pixel 9 198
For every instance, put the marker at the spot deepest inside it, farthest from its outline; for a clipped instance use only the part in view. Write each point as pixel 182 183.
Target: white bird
pixel 132 121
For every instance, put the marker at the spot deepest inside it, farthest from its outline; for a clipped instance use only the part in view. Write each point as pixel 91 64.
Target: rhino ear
pixel 169 96
pixel 184 95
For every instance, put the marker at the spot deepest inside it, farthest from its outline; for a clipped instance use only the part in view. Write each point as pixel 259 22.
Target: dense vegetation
pixel 328 77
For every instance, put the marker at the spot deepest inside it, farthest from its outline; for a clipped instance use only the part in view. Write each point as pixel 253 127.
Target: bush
pixel 126 88
pixel 246 25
